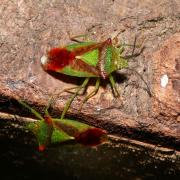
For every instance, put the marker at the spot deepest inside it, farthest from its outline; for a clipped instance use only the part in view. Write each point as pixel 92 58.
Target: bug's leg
pixel 134 55
pixel 114 38
pixel 76 38
pixel 69 89
pixel 37 114
pixel 134 46
pixel 116 43
pixel 91 94
pixel 148 89
pixel 121 49
pixel 33 111
pixel 52 98
pixel 73 88
pixel 113 84
pixel 50 101
pixel 73 96
pixel 86 35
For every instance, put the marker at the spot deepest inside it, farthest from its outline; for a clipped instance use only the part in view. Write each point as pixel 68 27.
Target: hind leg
pixel 69 102
pixel 113 84
pixel 91 93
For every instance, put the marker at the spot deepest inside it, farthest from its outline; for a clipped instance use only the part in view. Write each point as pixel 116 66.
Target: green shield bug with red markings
pixel 86 60
pixel 48 130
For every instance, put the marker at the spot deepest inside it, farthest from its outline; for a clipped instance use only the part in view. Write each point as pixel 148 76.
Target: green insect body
pixel 48 130
pixel 85 59
pixel 88 60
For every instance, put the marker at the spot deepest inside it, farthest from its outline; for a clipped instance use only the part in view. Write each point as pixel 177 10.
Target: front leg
pixel 113 84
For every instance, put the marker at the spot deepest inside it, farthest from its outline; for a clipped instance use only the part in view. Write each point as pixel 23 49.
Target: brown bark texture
pixel 29 28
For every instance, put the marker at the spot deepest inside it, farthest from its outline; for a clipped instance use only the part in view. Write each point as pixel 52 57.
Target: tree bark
pixel 29 28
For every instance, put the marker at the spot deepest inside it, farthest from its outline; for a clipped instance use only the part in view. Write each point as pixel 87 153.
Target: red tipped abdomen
pixel 58 58
pixel 91 137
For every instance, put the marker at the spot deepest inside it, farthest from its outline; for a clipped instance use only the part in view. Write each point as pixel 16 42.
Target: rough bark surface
pixel 29 28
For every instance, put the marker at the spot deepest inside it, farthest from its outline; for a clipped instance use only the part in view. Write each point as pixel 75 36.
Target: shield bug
pixel 48 130
pixel 86 60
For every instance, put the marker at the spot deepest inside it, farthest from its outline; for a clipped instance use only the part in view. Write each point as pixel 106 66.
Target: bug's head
pixel 118 62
